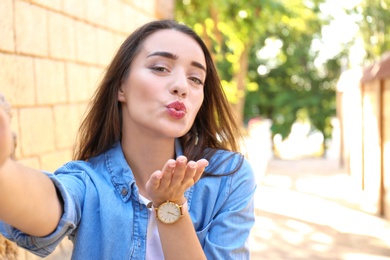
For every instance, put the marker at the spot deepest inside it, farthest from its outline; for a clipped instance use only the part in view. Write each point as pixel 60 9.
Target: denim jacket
pixel 105 219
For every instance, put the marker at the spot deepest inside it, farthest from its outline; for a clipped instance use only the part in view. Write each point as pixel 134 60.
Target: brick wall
pixel 52 56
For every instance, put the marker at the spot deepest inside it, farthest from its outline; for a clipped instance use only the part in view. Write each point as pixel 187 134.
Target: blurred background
pixel 308 80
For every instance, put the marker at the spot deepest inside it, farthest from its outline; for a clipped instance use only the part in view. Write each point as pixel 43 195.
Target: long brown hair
pixel 214 125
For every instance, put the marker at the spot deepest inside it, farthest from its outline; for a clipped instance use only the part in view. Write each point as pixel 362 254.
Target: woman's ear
pixel 121 95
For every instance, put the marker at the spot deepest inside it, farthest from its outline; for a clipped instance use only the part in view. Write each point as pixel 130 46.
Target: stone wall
pixel 52 56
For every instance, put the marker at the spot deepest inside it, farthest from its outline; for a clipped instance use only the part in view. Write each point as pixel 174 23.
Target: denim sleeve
pixel 43 246
pixel 228 233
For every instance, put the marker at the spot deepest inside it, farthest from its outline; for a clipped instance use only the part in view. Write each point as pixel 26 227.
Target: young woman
pixel 156 173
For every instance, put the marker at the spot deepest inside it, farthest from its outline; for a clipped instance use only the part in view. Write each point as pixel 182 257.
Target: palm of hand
pixel 174 179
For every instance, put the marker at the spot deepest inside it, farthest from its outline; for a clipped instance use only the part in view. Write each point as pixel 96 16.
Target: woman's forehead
pixel 175 42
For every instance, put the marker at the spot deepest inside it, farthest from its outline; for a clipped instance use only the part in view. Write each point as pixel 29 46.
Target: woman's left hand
pixel 174 179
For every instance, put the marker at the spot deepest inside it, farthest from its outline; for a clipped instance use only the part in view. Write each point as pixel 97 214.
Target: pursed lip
pixel 177 109
pixel 178 106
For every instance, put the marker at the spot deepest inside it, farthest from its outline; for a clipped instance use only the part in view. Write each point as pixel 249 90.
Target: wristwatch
pixel 170 212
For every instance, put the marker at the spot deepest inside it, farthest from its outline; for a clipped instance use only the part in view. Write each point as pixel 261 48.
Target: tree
pixel 263 50
pixel 374 26
pixel 288 79
pixel 229 28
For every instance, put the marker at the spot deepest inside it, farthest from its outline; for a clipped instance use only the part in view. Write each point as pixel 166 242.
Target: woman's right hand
pixel 174 179
pixel 6 139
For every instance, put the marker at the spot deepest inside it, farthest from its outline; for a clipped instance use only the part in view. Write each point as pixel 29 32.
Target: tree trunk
pixel 240 77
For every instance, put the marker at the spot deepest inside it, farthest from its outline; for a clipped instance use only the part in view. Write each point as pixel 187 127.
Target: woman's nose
pixel 180 85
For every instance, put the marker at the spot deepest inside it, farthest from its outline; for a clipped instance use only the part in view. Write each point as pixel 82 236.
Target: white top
pixel 153 243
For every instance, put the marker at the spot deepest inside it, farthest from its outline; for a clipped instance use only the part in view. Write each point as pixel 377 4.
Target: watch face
pixel 168 212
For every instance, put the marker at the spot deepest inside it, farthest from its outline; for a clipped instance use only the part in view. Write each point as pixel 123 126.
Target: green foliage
pixel 275 37
pixel 229 27
pixel 374 26
pixel 291 83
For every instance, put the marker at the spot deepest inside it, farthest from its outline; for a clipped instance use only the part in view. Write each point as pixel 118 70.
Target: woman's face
pixel 164 89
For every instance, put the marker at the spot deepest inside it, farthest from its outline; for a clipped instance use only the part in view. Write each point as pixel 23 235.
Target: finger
pixel 202 164
pixel 154 181
pixel 180 169
pixel 167 172
pixel 169 167
pixel 190 172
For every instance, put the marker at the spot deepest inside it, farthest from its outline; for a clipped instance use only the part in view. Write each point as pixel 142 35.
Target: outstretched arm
pixel 28 198
pixel 178 240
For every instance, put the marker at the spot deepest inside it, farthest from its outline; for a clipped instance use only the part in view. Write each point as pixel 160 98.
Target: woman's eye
pixel 196 80
pixel 160 69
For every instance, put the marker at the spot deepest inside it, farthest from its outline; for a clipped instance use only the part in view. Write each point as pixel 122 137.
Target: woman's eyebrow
pixel 164 54
pixel 175 57
pixel 198 65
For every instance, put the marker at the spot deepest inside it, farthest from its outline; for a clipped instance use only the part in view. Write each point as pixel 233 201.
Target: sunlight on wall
pixel 371 139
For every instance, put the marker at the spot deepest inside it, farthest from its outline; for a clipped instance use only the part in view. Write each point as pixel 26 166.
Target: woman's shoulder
pixel 92 164
pixel 113 150
pixel 101 167
pixel 75 165
pixel 80 166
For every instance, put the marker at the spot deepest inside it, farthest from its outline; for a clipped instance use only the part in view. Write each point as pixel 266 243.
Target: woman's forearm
pixel 28 199
pixel 179 240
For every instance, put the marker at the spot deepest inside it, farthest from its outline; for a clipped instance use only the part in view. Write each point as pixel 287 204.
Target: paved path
pixel 310 209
